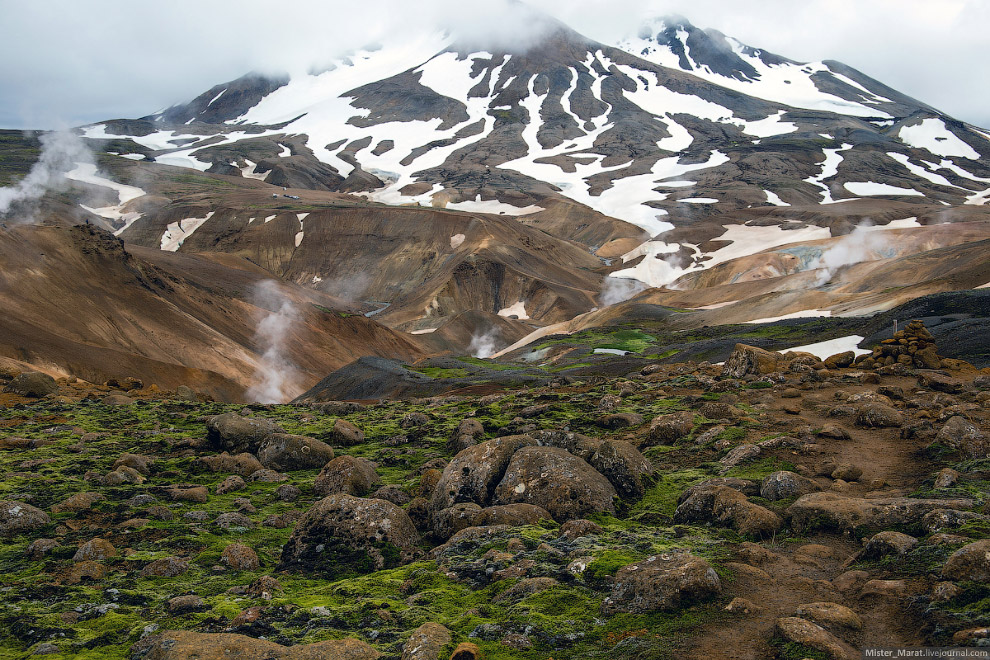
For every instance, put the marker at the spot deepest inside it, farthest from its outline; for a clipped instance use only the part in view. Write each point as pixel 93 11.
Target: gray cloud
pixel 63 61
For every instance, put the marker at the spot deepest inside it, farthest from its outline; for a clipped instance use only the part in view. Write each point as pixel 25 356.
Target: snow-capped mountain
pixel 675 128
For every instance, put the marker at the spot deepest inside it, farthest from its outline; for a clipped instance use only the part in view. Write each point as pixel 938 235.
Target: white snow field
pixel 824 349
pixel 177 232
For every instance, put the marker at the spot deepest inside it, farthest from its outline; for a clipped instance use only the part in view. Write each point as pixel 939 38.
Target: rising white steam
pixel 276 378
pixel 61 151
pixel 616 289
pixel 860 245
pixel 485 344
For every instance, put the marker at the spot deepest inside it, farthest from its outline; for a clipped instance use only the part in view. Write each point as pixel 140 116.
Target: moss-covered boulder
pixel 286 452
pixel 236 434
pixel 18 518
pixel 32 384
pixel 342 535
pixel 346 474
pixel 662 582
pixel 556 480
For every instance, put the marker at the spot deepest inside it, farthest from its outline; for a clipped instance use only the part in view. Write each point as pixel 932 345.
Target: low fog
pixel 82 62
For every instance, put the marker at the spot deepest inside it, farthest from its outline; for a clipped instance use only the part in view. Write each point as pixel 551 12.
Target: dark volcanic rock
pixel 346 474
pixel 556 480
pixel 18 517
pixel 32 384
pixel 474 473
pixel 237 434
pixel 342 534
pixel 662 582
pixel 285 452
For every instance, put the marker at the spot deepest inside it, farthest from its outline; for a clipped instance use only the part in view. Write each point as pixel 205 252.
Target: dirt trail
pixel 779 577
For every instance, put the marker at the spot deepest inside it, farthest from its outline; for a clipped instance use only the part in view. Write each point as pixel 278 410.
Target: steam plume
pixel 615 290
pixel 276 378
pixel 60 151
pixel 858 246
pixel 485 344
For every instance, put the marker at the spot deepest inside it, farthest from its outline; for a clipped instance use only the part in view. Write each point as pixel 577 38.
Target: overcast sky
pixel 68 62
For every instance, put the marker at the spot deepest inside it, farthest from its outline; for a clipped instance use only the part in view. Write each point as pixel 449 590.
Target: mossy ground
pixel 102 618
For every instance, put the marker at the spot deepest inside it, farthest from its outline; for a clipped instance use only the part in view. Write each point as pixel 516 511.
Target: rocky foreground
pixel 776 506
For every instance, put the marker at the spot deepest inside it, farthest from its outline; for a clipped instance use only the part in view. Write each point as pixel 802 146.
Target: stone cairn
pixel 912 346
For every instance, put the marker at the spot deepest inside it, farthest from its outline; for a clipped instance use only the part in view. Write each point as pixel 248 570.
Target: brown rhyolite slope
pixel 79 303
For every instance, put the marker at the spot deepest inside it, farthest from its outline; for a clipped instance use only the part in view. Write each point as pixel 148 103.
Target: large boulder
pixel 426 642
pixel 718 503
pixel 783 484
pixel 962 435
pixel 623 465
pixel 746 360
pixel 878 415
pixel 801 631
pixel 346 474
pixel 662 582
pixel 32 384
pixel 552 478
pixel 18 517
pixel 473 474
pixel 285 452
pixel 666 429
pixel 236 434
pixel 345 434
pixel 848 514
pixel 184 645
pixel 970 563
pixel 342 534
pixel 244 464
pixel 510 514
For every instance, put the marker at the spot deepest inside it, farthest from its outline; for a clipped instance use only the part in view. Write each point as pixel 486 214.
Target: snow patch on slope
pixel 177 232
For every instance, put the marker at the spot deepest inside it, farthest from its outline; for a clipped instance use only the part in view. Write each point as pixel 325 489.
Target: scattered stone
pixel 878 415
pixel 40 547
pixel 940 519
pixel 846 514
pixel 426 642
pixel 850 581
pixel 962 435
pixel 345 434
pixel 932 380
pixel 285 452
pixel 142 464
pixel 166 567
pixel 233 520
pixel 830 615
pixel 85 570
pixel 240 557
pixel 945 591
pixel 890 589
pixel 889 543
pixel 806 633
pixel 95 550
pixel 782 485
pixel 243 464
pixel 662 582
pixel 666 429
pixel 18 518
pixel 946 478
pixel 739 455
pixel 393 494
pixel 847 472
pixel 265 587
pixel 465 435
pixel 196 494
pixel 840 360
pixel 78 503
pixel 185 604
pixel 746 360
pixel 230 484
pixel 624 466
pixel 346 474
pixel 969 563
